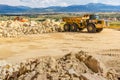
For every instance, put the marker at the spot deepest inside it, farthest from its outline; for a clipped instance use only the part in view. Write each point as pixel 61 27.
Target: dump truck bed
pixel 72 19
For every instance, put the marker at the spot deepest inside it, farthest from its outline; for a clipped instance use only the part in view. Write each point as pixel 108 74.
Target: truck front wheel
pixel 91 28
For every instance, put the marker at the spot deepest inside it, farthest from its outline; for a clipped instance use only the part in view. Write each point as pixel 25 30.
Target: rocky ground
pixel 77 66
pixel 46 56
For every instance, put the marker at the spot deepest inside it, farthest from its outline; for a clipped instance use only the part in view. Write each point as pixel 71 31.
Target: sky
pixel 47 3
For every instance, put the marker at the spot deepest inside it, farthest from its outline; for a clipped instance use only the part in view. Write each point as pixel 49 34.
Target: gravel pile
pixel 16 28
pixel 79 66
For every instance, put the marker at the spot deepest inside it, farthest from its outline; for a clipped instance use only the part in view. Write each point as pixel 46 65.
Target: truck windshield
pixel 94 17
pixel 97 17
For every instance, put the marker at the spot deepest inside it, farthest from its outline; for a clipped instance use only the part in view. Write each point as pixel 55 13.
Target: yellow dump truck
pixel 89 21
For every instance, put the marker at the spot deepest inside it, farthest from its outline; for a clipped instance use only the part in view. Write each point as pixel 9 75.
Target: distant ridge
pixel 13 9
pixel 91 7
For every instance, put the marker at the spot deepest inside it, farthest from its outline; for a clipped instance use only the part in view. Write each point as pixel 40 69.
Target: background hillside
pixel 91 7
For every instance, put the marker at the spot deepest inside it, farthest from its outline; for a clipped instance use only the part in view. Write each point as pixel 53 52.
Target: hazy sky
pixel 46 3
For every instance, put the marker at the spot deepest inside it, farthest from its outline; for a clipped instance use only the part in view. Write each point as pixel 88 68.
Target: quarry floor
pixel 104 45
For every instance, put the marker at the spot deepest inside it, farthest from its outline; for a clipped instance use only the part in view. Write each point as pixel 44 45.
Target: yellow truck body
pixel 91 22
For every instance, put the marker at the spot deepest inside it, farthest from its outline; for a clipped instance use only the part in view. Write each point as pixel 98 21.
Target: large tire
pixel 66 27
pixel 91 28
pixel 99 29
pixel 73 28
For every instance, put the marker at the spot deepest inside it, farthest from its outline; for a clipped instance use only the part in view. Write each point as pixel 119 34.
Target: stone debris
pixel 15 28
pixel 77 66
pixel 87 76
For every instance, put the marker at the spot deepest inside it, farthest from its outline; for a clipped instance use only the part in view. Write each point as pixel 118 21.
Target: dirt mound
pixel 15 28
pixel 79 66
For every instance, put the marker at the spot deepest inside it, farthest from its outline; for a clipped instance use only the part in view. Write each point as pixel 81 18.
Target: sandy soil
pixel 104 45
